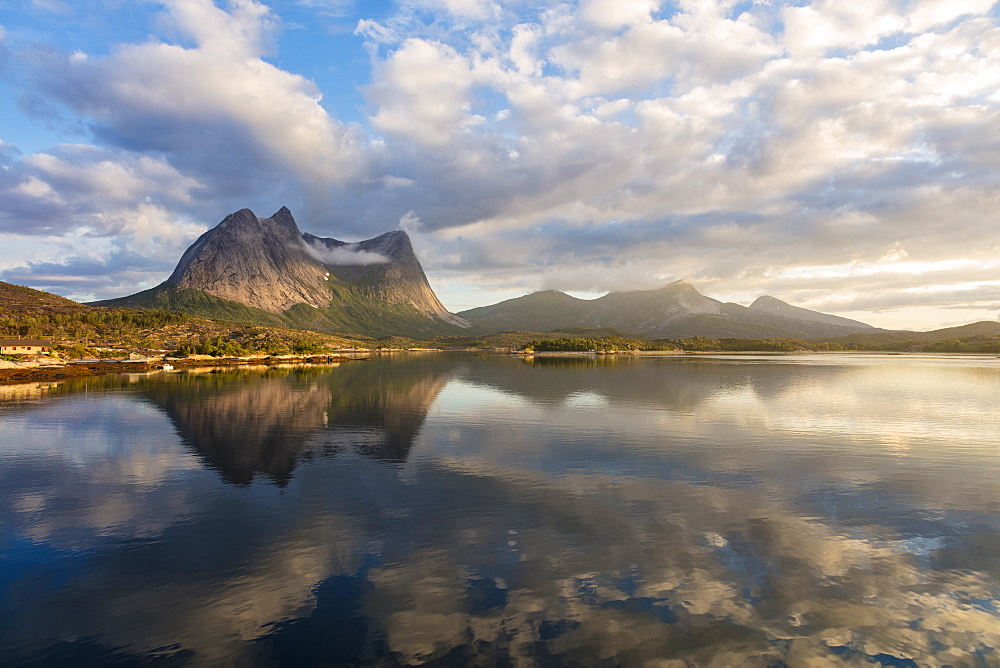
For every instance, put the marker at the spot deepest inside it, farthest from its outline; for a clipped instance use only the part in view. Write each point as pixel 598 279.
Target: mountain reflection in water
pixel 250 422
pixel 448 509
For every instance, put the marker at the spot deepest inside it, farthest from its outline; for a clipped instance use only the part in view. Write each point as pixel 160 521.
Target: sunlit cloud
pixel 742 145
pixel 875 268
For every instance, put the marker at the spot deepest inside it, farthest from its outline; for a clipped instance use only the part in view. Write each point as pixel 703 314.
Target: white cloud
pixel 215 107
pixel 423 93
pixel 76 186
pixel 478 9
pixel 813 29
pixel 35 187
pixel 122 178
pixel 523 49
pixel 240 33
pixel 392 182
pixel 534 141
pixel 928 14
pixel 54 6
pixel 348 254
pixel 613 14
pixel 410 222
pixel 336 8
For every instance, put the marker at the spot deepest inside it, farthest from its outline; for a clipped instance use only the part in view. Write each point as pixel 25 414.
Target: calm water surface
pixel 459 510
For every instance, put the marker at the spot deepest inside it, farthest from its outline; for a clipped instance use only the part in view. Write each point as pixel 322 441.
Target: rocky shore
pixel 14 373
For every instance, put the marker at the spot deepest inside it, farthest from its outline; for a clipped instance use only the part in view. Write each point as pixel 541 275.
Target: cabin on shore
pixel 24 346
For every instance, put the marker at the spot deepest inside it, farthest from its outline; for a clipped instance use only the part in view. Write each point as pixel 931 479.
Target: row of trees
pixel 695 343
pixel 87 324
pixel 580 344
pixel 701 343
pixel 976 344
pixel 89 334
pixel 220 346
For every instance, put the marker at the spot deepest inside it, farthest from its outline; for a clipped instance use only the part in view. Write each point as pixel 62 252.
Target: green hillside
pixel 18 300
pixel 977 337
pixel 353 314
pixel 80 330
pixel 539 312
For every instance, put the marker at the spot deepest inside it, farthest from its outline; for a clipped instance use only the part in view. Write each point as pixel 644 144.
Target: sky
pixel 841 155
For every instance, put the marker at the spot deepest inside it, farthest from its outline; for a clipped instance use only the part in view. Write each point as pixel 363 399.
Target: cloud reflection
pixel 696 511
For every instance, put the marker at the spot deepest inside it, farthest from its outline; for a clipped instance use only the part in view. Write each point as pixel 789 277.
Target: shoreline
pixel 83 369
pixel 70 370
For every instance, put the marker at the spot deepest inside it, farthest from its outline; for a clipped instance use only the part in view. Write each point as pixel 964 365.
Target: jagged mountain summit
pixel 265 271
pixel 400 280
pixel 259 262
pixel 676 310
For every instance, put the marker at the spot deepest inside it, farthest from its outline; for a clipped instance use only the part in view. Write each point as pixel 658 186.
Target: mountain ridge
pixel 769 304
pixel 673 310
pixel 265 271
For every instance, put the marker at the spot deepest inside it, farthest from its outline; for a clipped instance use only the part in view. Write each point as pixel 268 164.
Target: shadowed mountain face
pixel 777 307
pixel 676 310
pixel 638 312
pixel 265 271
pixel 401 280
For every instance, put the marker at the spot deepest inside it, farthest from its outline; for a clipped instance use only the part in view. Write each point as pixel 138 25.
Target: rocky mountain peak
pixel 394 245
pixel 260 262
pixel 661 305
pixel 767 302
pixel 268 263
pixel 282 220
pixel 387 270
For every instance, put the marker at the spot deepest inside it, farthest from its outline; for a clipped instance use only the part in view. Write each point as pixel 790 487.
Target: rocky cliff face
pixel 265 271
pixel 269 264
pixel 259 262
pixel 398 280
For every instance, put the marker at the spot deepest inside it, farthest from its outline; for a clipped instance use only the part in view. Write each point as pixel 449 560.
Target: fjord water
pixel 450 509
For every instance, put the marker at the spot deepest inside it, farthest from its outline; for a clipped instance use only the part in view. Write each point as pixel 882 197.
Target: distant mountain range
pixel 676 310
pixel 265 271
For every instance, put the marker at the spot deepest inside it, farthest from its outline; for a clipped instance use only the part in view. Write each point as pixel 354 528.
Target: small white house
pixel 24 346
